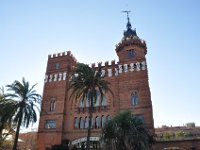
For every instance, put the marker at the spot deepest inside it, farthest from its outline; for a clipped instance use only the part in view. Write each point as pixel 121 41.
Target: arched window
pixel 81 123
pixel 134 98
pixel 103 121
pixel 52 105
pixel 86 123
pixel 75 122
pixel 97 122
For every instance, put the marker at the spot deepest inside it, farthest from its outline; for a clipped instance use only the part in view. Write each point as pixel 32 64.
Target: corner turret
pixel 131 47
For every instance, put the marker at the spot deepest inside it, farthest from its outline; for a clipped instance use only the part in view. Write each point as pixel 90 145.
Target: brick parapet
pixel 62 54
pixel 107 70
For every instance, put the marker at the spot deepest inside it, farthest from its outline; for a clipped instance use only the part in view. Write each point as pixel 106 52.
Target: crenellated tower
pixel 53 113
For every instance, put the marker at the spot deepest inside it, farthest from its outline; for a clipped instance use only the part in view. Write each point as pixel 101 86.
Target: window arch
pixel 52 105
pixel 134 98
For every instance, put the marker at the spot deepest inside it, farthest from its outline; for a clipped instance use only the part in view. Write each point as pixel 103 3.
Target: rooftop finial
pixel 129 32
pixel 128 23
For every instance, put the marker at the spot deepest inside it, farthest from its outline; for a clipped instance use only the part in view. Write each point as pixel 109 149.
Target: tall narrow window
pixel 75 122
pixel 97 100
pixel 108 118
pixel 103 101
pixel 82 103
pixel 87 102
pixel 86 124
pixel 81 123
pixel 134 98
pixel 92 125
pixel 52 105
pixel 103 121
pixel 97 122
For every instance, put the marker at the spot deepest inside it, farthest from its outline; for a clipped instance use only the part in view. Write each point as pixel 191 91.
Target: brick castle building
pixel 63 119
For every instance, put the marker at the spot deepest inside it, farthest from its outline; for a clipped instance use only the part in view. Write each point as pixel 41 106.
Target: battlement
pixel 106 64
pixel 130 41
pixel 66 53
pixel 108 70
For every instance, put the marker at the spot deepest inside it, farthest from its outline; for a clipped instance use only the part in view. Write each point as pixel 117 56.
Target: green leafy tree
pixel 24 101
pixel 6 113
pixel 126 132
pixel 84 84
pixel 180 134
pixel 167 135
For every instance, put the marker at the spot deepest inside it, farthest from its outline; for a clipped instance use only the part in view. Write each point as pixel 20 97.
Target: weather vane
pixel 127 12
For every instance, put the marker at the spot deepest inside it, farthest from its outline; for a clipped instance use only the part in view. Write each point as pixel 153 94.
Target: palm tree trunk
pixel 89 127
pixel 17 131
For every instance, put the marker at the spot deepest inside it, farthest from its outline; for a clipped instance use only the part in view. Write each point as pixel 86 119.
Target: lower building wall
pixel 46 140
pixel 191 144
pixel 81 134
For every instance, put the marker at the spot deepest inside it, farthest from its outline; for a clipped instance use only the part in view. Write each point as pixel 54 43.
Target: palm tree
pixel 126 132
pixel 5 118
pixel 85 83
pixel 25 101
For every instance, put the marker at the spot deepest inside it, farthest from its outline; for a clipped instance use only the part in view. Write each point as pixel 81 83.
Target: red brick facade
pixel 63 118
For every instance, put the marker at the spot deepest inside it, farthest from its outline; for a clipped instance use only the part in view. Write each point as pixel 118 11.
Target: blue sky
pixel 31 30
